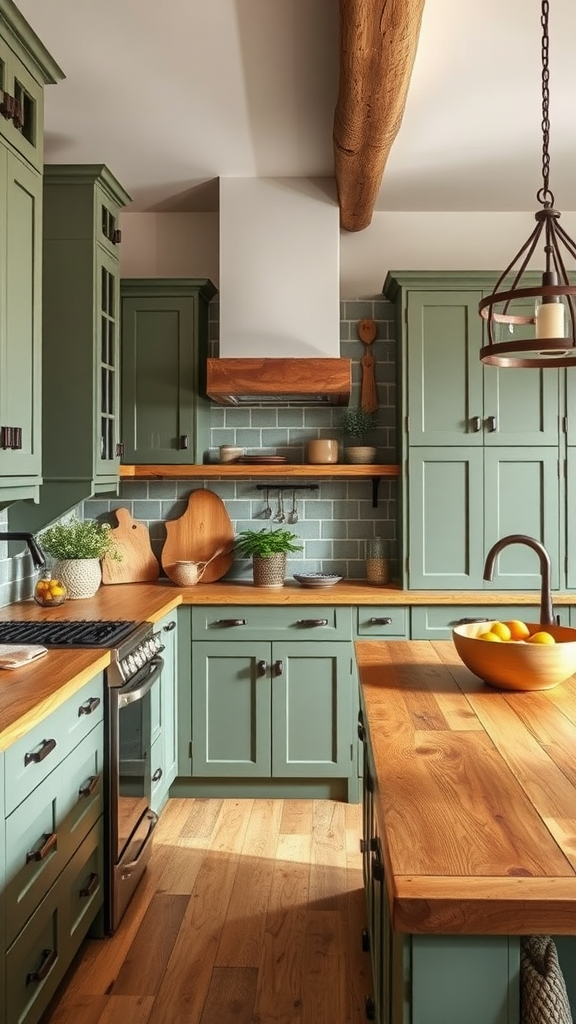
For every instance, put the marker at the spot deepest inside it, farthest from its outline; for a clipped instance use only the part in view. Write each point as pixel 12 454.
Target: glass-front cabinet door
pixel 107 387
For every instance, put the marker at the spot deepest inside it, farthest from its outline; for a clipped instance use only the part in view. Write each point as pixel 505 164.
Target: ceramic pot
pixel 322 451
pixel 81 576
pixel 269 572
pixel 360 454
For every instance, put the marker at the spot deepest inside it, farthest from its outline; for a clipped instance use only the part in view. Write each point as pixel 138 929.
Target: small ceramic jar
pixel 322 451
pixel 230 453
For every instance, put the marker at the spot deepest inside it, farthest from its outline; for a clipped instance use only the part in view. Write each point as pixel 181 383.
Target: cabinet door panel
pixel 445 496
pixel 231 707
pixel 521 496
pixel 571 518
pixel 312 709
pixel 20 380
pixel 107 367
pixel 444 341
pixel 524 405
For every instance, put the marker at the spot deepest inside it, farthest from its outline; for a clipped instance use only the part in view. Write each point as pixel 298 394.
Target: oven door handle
pixel 128 869
pixel 127 696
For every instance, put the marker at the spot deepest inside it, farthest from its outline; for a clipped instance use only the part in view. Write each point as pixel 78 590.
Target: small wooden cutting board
pixel 204 528
pixel 132 539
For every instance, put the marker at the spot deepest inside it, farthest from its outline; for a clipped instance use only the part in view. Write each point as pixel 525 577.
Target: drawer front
pixel 298 622
pixel 82 886
pixel 82 789
pixel 35 963
pixel 381 622
pixel 31 759
pixel 32 831
pixel 436 622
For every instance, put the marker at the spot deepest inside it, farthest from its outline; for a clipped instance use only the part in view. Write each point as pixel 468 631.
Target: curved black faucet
pixel 546 613
pixel 37 556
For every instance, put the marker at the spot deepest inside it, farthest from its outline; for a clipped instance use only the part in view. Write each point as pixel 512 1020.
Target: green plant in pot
pixel 268 550
pixel 77 546
pixel 357 423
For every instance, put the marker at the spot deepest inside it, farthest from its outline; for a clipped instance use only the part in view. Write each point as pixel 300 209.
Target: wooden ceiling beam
pixel 378 42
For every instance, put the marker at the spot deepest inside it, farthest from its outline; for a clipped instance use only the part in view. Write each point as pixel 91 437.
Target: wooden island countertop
pixel 475 794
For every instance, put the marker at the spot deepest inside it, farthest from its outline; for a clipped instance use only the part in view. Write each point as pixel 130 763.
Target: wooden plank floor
pixel 250 912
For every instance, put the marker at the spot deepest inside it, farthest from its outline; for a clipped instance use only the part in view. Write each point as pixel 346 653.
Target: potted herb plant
pixel 268 550
pixel 357 423
pixel 77 545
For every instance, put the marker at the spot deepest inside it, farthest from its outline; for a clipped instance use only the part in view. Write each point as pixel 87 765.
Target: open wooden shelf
pixel 234 470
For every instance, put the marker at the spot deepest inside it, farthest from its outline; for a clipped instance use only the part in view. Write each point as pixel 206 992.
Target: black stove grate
pixel 66 633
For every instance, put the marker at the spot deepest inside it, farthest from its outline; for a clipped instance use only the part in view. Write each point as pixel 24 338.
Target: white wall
pixel 187 245
pixel 169 245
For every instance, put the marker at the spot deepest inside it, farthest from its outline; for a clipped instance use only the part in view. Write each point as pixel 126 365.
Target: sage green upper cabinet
pixel 165 411
pixel 450 397
pixel 81 349
pixel 25 68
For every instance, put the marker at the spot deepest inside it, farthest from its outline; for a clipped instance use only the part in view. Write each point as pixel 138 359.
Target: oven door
pixel 133 781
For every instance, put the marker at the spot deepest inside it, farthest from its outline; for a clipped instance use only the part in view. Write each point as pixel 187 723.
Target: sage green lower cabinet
pixel 429 979
pixel 462 500
pixel 436 622
pixel 280 709
pixel 51 837
pixel 164 715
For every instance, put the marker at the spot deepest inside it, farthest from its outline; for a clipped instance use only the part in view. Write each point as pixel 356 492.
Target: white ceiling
pixel 173 95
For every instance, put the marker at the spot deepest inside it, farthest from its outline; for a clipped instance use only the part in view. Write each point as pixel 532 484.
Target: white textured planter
pixel 81 576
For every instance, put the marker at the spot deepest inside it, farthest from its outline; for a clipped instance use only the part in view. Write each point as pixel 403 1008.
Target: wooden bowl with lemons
pixel 528 661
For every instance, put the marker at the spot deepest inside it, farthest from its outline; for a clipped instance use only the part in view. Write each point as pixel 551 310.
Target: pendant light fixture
pixel 530 325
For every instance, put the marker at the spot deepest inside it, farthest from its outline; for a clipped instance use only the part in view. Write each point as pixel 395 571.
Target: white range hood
pixel 279 294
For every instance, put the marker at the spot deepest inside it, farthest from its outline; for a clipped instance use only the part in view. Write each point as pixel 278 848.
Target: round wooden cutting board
pixel 204 529
pixel 132 540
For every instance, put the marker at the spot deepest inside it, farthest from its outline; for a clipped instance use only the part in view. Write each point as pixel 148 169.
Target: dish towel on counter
pixel 543 989
pixel 15 655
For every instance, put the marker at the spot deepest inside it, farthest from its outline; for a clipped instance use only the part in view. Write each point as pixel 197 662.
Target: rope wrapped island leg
pixel 544 999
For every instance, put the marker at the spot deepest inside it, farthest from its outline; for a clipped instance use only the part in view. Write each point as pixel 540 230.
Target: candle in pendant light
pixel 550 320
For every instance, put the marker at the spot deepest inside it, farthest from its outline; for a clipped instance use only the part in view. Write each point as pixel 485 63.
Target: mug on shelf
pixel 322 451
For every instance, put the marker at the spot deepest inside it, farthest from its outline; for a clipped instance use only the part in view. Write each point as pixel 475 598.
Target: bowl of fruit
pixel 516 655
pixel 50 592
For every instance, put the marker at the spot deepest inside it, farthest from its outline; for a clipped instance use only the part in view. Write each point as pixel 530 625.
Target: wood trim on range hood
pixel 307 381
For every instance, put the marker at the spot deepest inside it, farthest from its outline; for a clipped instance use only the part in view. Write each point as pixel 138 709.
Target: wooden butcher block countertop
pixel 475 792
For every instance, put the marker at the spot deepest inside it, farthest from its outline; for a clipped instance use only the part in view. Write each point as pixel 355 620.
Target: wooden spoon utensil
pixel 366 330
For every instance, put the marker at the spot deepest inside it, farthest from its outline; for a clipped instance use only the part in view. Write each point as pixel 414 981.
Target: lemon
pixel 541 637
pixel 518 630
pixel 501 630
pixel 490 636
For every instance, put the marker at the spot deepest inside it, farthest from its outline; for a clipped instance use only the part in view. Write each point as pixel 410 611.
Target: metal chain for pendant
pixel 544 195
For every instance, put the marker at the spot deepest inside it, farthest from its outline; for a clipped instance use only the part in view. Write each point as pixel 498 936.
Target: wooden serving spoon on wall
pixel 366 330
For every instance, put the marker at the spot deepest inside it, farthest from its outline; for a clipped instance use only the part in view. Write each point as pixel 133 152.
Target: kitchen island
pixel 469 818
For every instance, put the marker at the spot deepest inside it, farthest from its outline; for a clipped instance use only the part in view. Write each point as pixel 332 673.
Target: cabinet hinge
pixel 190 749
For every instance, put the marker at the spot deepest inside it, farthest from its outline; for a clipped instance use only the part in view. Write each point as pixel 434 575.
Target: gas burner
pixel 67 633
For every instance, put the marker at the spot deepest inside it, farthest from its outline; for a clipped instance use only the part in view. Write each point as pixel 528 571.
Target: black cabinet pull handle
pixel 365 943
pixel 91 886
pixel 363 846
pixel 157 775
pixel 370 1008
pixel 90 787
pixel 89 706
pixel 476 422
pixel 311 622
pixel 377 870
pixel 278 668
pixel 169 626
pixel 49 958
pixel 119 449
pixel 229 622
pixel 50 840
pixel 116 237
pixel 47 746
pixel 468 622
pixel 492 424
pixel 183 444
pixel 384 621
pixel 261 669
pixel 361 732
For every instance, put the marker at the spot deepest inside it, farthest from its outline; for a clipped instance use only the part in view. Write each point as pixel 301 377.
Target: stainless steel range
pixel 135 667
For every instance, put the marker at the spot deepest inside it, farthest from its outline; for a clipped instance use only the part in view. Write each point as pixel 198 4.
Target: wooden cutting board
pixel 199 533
pixel 132 540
